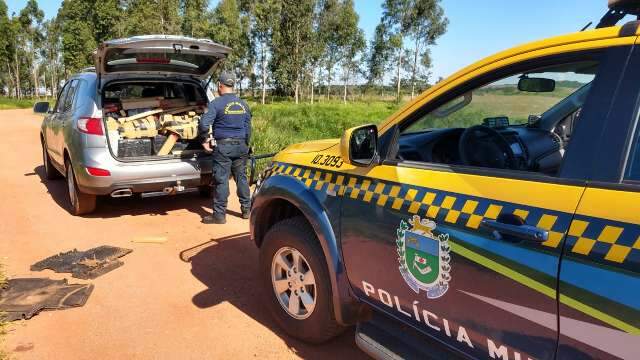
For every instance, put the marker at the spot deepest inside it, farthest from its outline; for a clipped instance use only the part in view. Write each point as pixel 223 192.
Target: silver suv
pixel 144 74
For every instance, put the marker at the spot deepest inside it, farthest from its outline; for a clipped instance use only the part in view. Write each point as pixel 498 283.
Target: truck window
pixel 633 165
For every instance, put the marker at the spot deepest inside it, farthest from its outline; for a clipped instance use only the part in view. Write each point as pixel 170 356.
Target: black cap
pixel 227 79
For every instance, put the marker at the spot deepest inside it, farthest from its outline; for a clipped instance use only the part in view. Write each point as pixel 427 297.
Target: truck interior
pixel 523 122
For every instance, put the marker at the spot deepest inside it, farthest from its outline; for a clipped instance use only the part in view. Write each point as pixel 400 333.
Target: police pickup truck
pixel 495 216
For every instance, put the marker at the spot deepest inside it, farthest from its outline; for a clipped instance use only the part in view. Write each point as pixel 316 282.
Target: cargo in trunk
pixel 153 119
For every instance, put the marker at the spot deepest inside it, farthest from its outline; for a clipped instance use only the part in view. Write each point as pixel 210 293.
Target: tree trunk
pixel 414 69
pixel 346 80
pixel 34 69
pixel 36 93
pixel 18 85
pixel 44 84
pixel 54 80
pixel 297 58
pixel 398 74
pixel 328 82
pixel 12 88
pixel 313 80
pixel 264 73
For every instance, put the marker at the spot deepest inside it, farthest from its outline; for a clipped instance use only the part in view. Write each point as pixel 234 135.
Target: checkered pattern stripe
pixel 586 236
pixel 604 240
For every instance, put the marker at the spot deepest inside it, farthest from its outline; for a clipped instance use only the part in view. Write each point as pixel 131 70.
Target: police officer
pixel 229 120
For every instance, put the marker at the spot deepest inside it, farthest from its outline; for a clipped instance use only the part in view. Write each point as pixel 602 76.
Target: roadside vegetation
pixel 280 124
pixel 12 103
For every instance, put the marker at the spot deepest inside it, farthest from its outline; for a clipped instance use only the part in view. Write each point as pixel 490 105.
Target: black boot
pixel 246 213
pixel 214 219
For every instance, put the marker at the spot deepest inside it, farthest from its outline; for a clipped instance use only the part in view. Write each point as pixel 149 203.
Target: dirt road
pixel 193 296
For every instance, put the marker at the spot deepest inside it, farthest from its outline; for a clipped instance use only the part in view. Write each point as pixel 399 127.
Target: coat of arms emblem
pixel 424 257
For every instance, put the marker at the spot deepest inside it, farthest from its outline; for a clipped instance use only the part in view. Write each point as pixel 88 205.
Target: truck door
pixel 468 252
pixel 600 271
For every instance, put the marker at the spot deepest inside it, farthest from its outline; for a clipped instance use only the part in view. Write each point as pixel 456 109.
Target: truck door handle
pixel 524 232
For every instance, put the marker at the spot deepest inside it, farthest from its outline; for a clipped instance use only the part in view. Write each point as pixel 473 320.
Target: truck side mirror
pixel 41 107
pixel 359 145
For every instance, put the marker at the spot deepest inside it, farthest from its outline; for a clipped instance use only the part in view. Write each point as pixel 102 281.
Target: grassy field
pixel 516 106
pixel 280 124
pixel 9 103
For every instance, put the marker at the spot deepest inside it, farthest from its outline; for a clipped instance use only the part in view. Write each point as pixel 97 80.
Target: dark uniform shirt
pixel 229 116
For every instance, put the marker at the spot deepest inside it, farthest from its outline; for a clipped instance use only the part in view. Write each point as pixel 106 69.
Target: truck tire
pixel 80 202
pixel 295 279
pixel 50 172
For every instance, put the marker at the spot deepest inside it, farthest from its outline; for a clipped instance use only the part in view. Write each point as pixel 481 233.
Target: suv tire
pixel 80 202
pixel 50 172
pixel 286 239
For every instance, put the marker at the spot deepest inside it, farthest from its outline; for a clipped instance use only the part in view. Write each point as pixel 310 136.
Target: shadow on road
pixel 229 268
pixel 112 208
pixel 56 188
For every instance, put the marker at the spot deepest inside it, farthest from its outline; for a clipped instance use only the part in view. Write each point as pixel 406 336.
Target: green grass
pixel 484 104
pixel 278 125
pixel 10 103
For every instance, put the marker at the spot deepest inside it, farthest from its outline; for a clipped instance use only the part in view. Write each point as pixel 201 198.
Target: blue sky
pixel 476 28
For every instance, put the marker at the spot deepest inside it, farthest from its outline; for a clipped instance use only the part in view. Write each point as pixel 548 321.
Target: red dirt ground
pixel 193 296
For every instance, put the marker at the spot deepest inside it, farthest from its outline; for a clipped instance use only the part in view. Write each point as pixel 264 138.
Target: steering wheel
pixel 485 147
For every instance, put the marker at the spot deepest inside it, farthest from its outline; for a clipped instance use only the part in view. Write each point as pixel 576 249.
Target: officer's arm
pixel 206 121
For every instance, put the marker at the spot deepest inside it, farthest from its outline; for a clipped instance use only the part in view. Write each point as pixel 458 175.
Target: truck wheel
pixel 81 203
pixel 295 279
pixel 50 172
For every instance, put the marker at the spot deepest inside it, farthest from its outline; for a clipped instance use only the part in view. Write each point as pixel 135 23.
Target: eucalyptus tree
pixel 291 44
pixel 264 17
pixel 194 17
pixel 353 43
pixel 378 57
pixel 230 27
pixel 422 21
pixel 31 21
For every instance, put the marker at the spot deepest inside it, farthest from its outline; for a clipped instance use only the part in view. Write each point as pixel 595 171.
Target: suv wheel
pixel 81 203
pixel 50 172
pixel 294 277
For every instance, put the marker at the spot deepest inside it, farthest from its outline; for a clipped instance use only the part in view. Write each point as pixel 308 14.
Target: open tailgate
pixel 160 54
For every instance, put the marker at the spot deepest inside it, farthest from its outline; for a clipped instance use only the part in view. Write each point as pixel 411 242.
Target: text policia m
pixel 439 324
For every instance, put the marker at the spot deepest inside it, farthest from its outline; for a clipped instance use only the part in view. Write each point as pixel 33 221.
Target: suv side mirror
pixel 41 107
pixel 359 145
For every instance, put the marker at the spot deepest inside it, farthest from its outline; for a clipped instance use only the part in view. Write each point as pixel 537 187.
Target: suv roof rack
pixel 89 69
pixel 618 9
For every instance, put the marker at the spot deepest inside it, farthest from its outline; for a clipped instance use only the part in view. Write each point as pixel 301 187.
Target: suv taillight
pixel 91 126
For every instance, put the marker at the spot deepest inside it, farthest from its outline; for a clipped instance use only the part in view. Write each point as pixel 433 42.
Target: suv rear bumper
pixel 139 176
pixel 148 185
